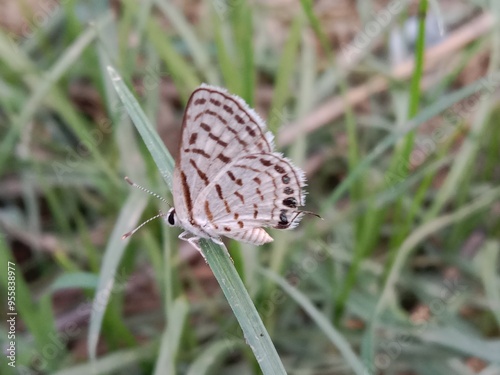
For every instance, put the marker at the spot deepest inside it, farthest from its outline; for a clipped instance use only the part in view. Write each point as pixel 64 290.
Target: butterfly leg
pixel 191 238
pixel 194 241
pixel 218 241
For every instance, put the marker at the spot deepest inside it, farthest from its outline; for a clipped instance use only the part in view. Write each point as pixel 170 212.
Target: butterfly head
pixel 171 218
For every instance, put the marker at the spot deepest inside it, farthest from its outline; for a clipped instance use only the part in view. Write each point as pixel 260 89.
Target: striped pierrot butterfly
pixel 228 180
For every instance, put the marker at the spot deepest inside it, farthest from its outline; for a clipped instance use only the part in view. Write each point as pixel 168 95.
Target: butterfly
pixel 228 180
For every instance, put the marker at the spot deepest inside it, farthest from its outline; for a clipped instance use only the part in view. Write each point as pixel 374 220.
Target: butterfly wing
pixel 254 191
pixel 217 128
pixel 255 236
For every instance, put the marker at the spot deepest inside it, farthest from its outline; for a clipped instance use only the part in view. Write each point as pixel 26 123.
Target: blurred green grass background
pixel 391 108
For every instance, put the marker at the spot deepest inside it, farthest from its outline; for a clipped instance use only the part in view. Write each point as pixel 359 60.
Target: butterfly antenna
pixel 132 183
pixel 128 234
pixel 309 213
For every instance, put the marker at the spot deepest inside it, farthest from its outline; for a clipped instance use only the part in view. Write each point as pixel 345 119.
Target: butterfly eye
pixel 171 217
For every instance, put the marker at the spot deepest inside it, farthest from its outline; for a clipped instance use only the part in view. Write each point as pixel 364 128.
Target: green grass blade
pixel 243 308
pixel 242 22
pixel 487 268
pixel 165 363
pixel 196 48
pixel 409 245
pixel 228 68
pixel 113 363
pixel 285 71
pixel 465 343
pixel 403 153
pixel 307 6
pixel 391 139
pixel 129 215
pixel 44 86
pixel 217 257
pixel 31 313
pixel 212 356
pixel 464 160
pixel 181 72
pixel 83 280
pixel 321 320
pixel 155 145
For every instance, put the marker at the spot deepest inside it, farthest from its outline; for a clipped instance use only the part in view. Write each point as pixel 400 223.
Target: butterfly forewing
pixel 227 179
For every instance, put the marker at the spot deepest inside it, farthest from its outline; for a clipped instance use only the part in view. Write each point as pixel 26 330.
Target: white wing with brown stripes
pixel 254 191
pixel 227 179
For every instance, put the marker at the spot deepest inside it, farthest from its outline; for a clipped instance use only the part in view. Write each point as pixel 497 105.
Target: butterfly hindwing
pixel 258 190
